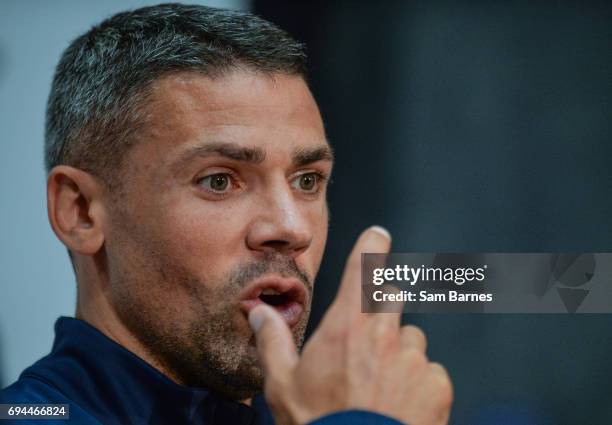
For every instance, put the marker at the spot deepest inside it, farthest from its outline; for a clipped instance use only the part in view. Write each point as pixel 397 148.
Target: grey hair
pixel 101 80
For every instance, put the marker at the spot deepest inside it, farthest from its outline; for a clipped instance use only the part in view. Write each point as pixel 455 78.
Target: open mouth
pixel 273 298
pixel 286 296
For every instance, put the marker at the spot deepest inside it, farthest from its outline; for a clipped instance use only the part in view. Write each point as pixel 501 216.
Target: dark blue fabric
pixel 105 384
pixel 355 417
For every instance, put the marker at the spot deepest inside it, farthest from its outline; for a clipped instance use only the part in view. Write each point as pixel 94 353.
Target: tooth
pixel 270 291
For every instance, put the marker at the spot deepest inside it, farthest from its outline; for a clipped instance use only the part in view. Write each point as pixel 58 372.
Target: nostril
pixel 276 244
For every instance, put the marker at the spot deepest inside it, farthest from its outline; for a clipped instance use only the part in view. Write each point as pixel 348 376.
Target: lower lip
pixel 291 311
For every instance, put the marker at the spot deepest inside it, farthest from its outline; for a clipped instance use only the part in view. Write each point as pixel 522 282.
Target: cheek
pixel 318 219
pixel 203 237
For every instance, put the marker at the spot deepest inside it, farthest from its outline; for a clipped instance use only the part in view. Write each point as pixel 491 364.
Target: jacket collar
pixel 118 387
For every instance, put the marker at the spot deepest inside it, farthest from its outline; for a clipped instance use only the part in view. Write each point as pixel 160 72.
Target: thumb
pixel 275 346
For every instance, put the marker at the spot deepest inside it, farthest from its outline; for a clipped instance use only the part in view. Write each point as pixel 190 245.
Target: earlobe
pixel 76 209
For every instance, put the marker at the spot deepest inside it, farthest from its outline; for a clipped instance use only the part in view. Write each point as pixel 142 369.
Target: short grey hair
pixel 101 80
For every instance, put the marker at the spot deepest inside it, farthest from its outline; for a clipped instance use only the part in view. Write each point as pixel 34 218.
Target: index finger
pixel 374 240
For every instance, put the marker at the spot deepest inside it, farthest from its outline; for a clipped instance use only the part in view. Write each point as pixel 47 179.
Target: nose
pixel 280 226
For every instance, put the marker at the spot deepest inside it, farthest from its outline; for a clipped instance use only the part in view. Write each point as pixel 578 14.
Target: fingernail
pixel 381 230
pixel 256 318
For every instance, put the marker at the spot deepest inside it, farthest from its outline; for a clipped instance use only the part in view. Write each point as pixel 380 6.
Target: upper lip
pixel 290 287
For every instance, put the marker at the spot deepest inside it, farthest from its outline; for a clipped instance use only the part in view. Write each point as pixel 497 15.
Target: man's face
pixel 222 207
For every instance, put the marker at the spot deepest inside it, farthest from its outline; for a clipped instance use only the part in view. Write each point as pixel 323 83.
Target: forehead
pixel 269 111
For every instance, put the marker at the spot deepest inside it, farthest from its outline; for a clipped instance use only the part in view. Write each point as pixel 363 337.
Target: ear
pixel 76 209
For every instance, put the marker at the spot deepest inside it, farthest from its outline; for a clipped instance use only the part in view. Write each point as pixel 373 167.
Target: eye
pixel 308 182
pixel 218 183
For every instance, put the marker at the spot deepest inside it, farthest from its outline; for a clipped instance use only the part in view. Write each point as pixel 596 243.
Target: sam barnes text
pixel 451 296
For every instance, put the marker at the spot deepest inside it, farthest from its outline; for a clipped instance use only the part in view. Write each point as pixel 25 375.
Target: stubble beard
pixel 206 344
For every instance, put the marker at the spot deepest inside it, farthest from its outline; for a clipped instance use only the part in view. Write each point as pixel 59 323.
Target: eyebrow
pixel 305 156
pixel 252 155
pixel 228 150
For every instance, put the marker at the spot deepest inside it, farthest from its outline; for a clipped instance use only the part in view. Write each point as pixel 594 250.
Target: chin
pixel 247 384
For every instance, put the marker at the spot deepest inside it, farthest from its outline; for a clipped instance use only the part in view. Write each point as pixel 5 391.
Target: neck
pixel 94 307
pixel 97 312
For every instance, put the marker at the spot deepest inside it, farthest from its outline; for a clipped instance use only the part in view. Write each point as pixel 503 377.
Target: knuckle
pixel 439 371
pixel 446 394
pixel 442 383
pixel 415 358
pixel 415 334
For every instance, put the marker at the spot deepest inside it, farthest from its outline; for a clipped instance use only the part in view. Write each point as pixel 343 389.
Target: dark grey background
pixel 477 126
